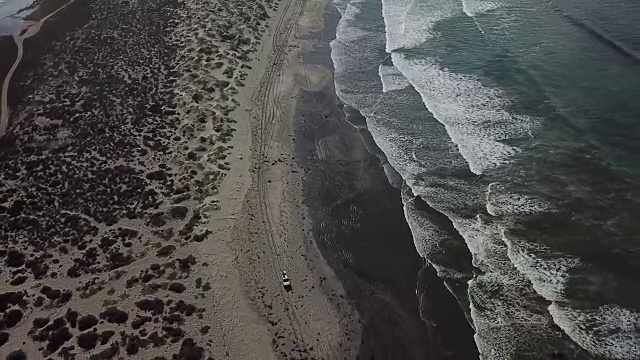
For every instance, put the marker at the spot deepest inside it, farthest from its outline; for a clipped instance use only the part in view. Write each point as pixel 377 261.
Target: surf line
pixel 27 30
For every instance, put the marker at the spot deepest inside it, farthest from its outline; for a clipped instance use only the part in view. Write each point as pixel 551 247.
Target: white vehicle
pixel 286 282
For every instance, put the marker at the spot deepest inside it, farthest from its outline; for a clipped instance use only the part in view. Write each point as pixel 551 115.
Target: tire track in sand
pixel 270 112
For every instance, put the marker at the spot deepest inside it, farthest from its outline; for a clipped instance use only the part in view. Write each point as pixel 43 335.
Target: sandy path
pixel 27 30
pixel 314 320
pixel 271 112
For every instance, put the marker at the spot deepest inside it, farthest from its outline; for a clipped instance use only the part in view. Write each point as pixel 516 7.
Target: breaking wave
pixel 450 136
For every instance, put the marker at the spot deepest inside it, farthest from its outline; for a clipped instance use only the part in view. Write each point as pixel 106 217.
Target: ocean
pixel 11 15
pixel 515 129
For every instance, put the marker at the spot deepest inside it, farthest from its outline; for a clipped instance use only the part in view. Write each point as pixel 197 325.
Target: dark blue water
pixel 517 122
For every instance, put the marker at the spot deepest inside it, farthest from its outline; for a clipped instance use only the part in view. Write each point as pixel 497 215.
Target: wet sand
pixel 8 50
pixel 360 227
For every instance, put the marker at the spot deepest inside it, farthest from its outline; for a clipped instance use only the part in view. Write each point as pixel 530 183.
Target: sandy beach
pixel 164 162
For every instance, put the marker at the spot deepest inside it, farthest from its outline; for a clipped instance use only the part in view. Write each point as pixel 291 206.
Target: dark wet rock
pixel 114 315
pixel 154 306
pixel 88 340
pixel 179 212
pixel 4 337
pixel 205 329
pixel 154 267
pixel 165 250
pixel 177 287
pixel 86 322
pixel 17 355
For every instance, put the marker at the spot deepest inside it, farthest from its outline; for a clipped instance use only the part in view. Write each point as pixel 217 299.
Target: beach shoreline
pixel 239 179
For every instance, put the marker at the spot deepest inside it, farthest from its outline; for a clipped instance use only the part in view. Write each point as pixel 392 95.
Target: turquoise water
pixel 518 121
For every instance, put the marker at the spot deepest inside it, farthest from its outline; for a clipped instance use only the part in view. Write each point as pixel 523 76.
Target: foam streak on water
pixel 413 20
pixel 609 331
pixel 472 113
pixel 392 79
pixel 476 7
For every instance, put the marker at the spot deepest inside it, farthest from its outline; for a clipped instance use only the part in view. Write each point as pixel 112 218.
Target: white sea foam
pixel 505 327
pixel 348 32
pixel 421 150
pixel 409 22
pixel 500 202
pixel 426 236
pixel 473 114
pixel 608 331
pixel 547 270
pixel 476 7
pixel 392 79
pixel 488 251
